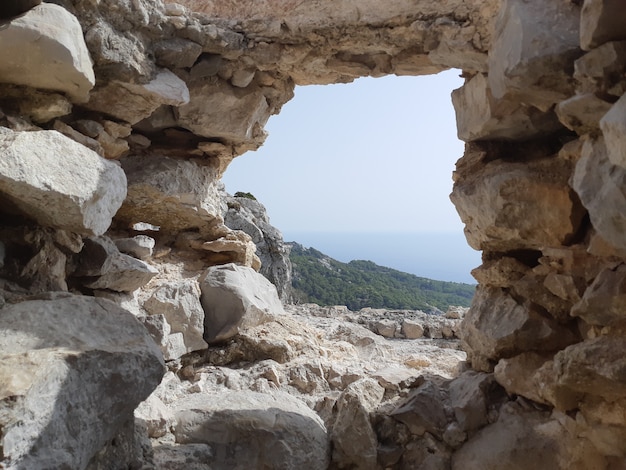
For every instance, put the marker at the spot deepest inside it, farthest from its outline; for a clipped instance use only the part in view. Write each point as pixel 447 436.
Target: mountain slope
pixel 323 280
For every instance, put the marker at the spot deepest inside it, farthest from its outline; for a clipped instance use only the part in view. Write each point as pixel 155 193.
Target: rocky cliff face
pixel 117 119
pixel 249 215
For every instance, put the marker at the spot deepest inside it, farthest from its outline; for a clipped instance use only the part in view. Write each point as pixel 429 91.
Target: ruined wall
pixel 118 118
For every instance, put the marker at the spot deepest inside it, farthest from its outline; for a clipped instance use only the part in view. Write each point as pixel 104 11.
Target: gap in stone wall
pixel 373 158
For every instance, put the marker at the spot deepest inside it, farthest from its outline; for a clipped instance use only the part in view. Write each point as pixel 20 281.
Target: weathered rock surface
pixel 235 297
pixel 58 182
pixel 260 429
pixel 45 49
pixel 172 194
pixel 534 46
pixel 74 368
pixel 517 205
pixel 250 216
pixel 523 438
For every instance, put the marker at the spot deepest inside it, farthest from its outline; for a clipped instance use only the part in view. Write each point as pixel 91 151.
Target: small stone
pixel 140 246
pixel 412 329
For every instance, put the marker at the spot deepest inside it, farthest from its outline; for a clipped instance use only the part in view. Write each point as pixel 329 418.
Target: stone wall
pixel 118 118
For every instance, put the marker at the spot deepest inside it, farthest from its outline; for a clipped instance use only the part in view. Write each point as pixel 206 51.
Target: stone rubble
pixel 118 247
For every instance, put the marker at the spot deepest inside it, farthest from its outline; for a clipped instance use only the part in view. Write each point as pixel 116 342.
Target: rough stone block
pixel 44 48
pixel 220 111
pixel 603 70
pixel 180 304
pixel 480 116
pixel 533 50
pixel 582 113
pixel 601 21
pixel 173 194
pixel 133 102
pixel 516 205
pixel 59 182
pixel 604 301
pixel 235 297
pixel 72 371
pixel 600 187
pixel 613 126
pixel 497 326
pixel 278 430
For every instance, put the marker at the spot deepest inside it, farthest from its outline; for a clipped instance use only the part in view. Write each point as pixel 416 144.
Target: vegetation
pixel 246 195
pixel 320 279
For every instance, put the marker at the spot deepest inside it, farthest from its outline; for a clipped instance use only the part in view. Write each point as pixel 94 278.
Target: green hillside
pixel 320 279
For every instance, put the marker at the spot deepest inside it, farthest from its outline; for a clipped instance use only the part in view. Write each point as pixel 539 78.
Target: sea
pixel 438 256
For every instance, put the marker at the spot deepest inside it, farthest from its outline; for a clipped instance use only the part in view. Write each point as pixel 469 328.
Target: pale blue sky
pixel 375 155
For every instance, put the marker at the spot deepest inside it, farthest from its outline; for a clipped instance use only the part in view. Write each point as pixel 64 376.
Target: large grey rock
pixel 102 266
pixel 582 113
pixel 613 125
pixel 513 205
pixel 595 366
pixel 235 297
pixel 601 21
pixel 179 303
pixel 498 326
pixel 534 46
pixel 523 438
pixel 59 182
pixel 353 437
pixel 72 371
pixel 602 70
pixel 44 48
pixel 600 187
pixel 480 116
pixel 252 430
pixel 133 102
pixel 471 394
pixel 173 194
pixel 423 410
pixel 220 111
pixel 604 301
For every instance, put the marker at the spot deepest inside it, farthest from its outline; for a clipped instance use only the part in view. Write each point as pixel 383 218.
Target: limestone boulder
pixel 220 111
pixel 507 205
pixel 497 326
pixel 600 187
pixel 471 395
pixel 534 46
pixel 525 438
pixel 353 437
pixel 174 195
pixel 261 430
pixel 139 246
pixel 179 303
pixel 601 21
pixel 132 102
pixel 73 370
pixel 582 113
pixel 177 53
pixel 102 266
pixel 45 49
pixel 603 302
pixel 533 376
pixel 480 116
pixel 59 182
pixel 613 125
pixel 423 411
pixel 234 298
pixel 602 70
pixel 594 366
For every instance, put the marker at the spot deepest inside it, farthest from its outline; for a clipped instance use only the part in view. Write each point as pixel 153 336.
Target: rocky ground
pixel 310 360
